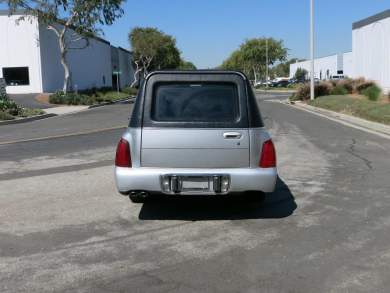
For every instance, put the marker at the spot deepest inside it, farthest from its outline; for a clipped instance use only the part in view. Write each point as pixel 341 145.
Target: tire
pixel 254 196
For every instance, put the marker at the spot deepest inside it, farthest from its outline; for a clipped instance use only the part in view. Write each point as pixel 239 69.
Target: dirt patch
pixel 43 98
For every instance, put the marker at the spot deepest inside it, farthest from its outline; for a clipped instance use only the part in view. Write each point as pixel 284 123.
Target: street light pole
pixel 312 49
pixel 266 57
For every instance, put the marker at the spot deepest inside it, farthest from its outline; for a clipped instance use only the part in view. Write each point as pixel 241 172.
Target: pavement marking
pixel 383 135
pixel 61 135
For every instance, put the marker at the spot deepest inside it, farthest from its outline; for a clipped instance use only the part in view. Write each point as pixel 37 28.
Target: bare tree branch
pixel 54 29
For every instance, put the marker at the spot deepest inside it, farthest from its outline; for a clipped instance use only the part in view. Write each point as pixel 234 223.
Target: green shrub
pixel 303 93
pixel 78 99
pixel 348 84
pixel 6 116
pixel 27 112
pixel 294 85
pixel 9 106
pixel 339 90
pixel 294 98
pixel 373 92
pixel 70 99
pixel 94 91
pixel 320 89
pixel 323 89
pixel 130 91
pixel 57 98
pixel 363 86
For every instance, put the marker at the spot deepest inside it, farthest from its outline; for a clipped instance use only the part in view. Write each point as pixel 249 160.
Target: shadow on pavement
pixel 279 204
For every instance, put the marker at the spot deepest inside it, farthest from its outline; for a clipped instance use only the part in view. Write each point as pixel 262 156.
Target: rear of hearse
pixel 195 133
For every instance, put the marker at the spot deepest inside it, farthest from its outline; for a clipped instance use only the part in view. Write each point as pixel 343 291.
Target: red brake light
pixel 123 158
pixel 268 155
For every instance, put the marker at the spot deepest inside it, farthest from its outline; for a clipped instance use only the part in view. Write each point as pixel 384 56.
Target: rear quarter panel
pixel 134 136
pixel 257 137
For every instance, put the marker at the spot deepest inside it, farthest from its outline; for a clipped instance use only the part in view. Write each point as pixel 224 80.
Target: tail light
pixel 268 155
pixel 123 158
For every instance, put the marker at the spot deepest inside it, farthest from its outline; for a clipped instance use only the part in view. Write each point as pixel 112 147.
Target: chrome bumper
pixel 149 179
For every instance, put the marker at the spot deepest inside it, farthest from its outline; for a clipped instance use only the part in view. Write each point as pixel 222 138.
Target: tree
pixel 251 57
pixel 234 62
pixel 301 74
pixel 152 49
pixel 73 22
pixel 186 65
pixel 283 68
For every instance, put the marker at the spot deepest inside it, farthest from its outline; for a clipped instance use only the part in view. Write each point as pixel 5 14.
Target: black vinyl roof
pixel 251 114
pixel 197 72
pixel 372 19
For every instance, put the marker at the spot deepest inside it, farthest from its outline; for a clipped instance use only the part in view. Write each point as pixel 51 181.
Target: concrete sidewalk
pixel 359 123
pixel 62 110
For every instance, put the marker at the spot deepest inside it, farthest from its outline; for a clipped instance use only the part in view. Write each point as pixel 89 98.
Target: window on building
pixel 16 75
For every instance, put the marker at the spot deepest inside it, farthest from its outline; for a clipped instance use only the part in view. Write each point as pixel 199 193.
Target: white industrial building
pixel 371 49
pixel 326 67
pixel 30 59
pixel 370 56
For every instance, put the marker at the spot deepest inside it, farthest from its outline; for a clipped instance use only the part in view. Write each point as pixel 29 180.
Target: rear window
pixel 195 102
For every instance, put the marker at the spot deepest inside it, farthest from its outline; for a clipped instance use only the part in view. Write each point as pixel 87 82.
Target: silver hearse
pixel 195 133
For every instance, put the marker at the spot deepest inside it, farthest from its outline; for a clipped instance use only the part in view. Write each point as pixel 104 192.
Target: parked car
pixel 281 83
pixel 195 133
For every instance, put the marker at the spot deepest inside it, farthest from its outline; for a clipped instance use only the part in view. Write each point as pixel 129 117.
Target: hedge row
pixel 342 87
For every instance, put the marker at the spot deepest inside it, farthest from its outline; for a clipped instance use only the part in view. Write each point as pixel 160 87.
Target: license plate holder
pixel 195 183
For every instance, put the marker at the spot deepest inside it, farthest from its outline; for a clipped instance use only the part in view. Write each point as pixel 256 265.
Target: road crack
pixel 352 151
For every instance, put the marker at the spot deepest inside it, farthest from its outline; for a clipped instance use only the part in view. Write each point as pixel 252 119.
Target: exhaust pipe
pixel 139 194
pixel 144 194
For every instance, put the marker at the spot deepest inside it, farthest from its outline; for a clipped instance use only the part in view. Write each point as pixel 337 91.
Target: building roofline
pixel 21 12
pixel 370 20
pixel 101 40
pixel 7 12
pixel 308 60
pixel 125 50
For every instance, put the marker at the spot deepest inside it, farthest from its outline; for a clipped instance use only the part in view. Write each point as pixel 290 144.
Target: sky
pixel 207 31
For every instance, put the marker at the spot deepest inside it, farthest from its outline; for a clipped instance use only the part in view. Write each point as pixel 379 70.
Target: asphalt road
pixel 97 119
pixel 63 227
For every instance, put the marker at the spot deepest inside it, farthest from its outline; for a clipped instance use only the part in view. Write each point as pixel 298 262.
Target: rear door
pixel 195 121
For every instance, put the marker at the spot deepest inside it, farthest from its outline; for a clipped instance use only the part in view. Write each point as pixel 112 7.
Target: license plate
pixel 195 184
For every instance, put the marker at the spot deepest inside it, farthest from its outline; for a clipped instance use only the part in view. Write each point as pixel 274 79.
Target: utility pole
pixel 117 85
pixel 117 73
pixel 266 58
pixel 312 49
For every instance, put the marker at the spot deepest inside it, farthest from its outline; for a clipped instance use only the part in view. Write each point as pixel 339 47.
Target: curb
pixel 287 92
pixel 121 101
pixel 129 100
pixel 382 130
pixel 61 135
pixel 28 119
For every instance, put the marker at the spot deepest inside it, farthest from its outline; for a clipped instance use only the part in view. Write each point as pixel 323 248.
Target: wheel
pixel 254 196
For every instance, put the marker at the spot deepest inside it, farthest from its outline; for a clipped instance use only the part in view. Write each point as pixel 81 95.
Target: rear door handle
pixel 232 135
